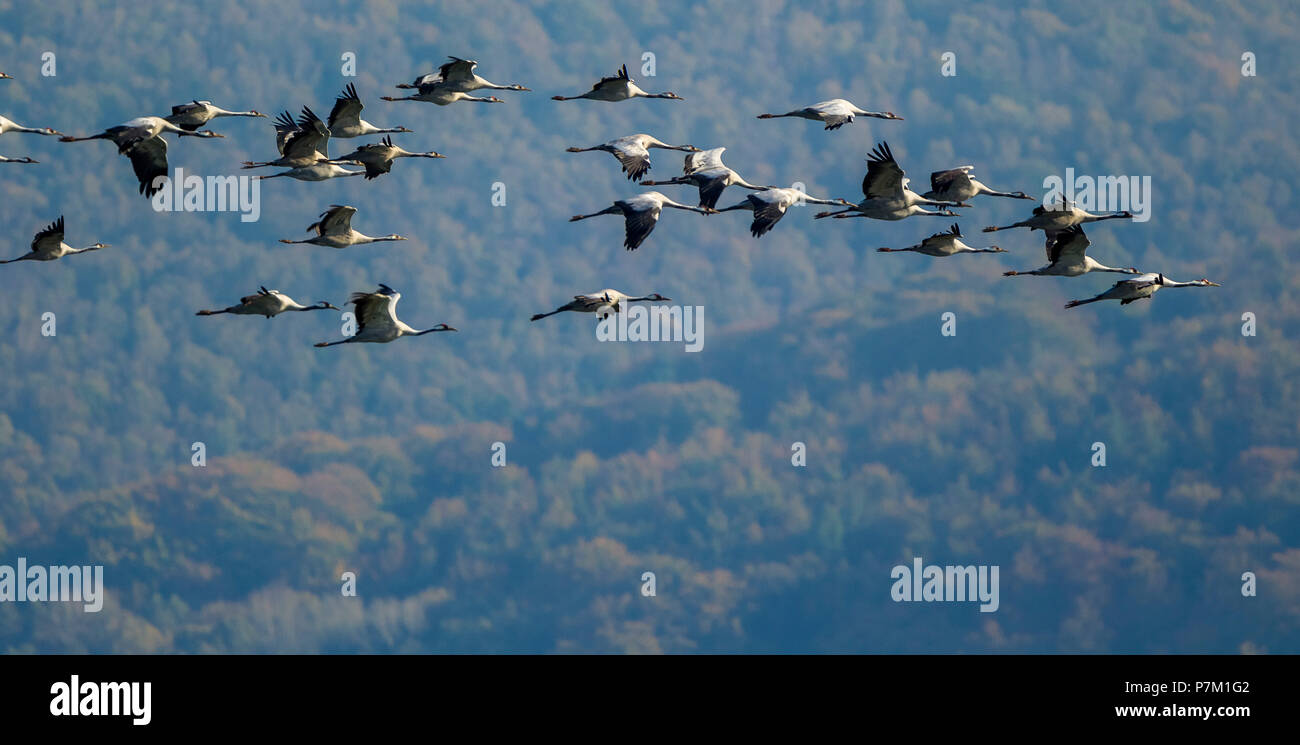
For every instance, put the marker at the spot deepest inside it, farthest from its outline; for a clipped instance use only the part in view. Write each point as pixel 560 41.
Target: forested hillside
pixel 625 458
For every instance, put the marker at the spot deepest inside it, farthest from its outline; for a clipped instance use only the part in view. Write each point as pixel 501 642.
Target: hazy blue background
pixel 626 458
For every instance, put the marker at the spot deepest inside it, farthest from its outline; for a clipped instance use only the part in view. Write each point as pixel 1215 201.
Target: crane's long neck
pixel 611 210
pixel 918 199
pixel 361 238
pixel 876 114
pixel 493 86
pixel 222 112
pixel 100 136
pixel 1098 218
pixel 742 183
pixel 815 200
pixel 982 189
pixel 680 206
pixel 1098 267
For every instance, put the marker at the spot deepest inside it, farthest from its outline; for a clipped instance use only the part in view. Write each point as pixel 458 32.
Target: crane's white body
pixel 334 230
pixel 378 157
pixel 834 113
pixel 885 192
pixel 48 245
pixel 947 243
pixel 1059 217
pixel 706 171
pixel 137 130
pixel 957 185
pixel 603 302
pixel 377 320
pixel 9 125
pixel 268 303
pixel 1141 287
pixel 633 152
pixel 1067 257
pixel 458 76
pixel 319 172
pixel 641 214
pixel 617 87
pixel 193 115
pixel 439 94
pixel 140 140
pixel 302 144
pixel 345 118
pixel 769 206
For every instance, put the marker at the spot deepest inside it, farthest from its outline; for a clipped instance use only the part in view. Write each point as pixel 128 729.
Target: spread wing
pixel 375 309
pixel 952 232
pixel 49 239
pixel 592 300
pixel 312 136
pixel 638 225
pixel 334 221
pixel 189 116
pixel 712 184
pixel 188 108
pixel 285 126
pixel 943 180
pixel 149 161
pixel 835 114
pixel 633 156
pixel 884 178
pixel 703 161
pixel 614 80
pixel 1069 243
pixel 347 108
pixel 767 213
pixel 458 70
pixel 263 298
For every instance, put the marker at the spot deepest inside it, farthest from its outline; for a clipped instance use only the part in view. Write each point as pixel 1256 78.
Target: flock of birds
pixel 303 147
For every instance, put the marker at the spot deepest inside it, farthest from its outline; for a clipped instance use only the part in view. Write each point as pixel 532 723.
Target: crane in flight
pixel 377 320
pixel 269 303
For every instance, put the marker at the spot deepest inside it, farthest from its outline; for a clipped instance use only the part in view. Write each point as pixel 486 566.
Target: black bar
pixel 332 694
